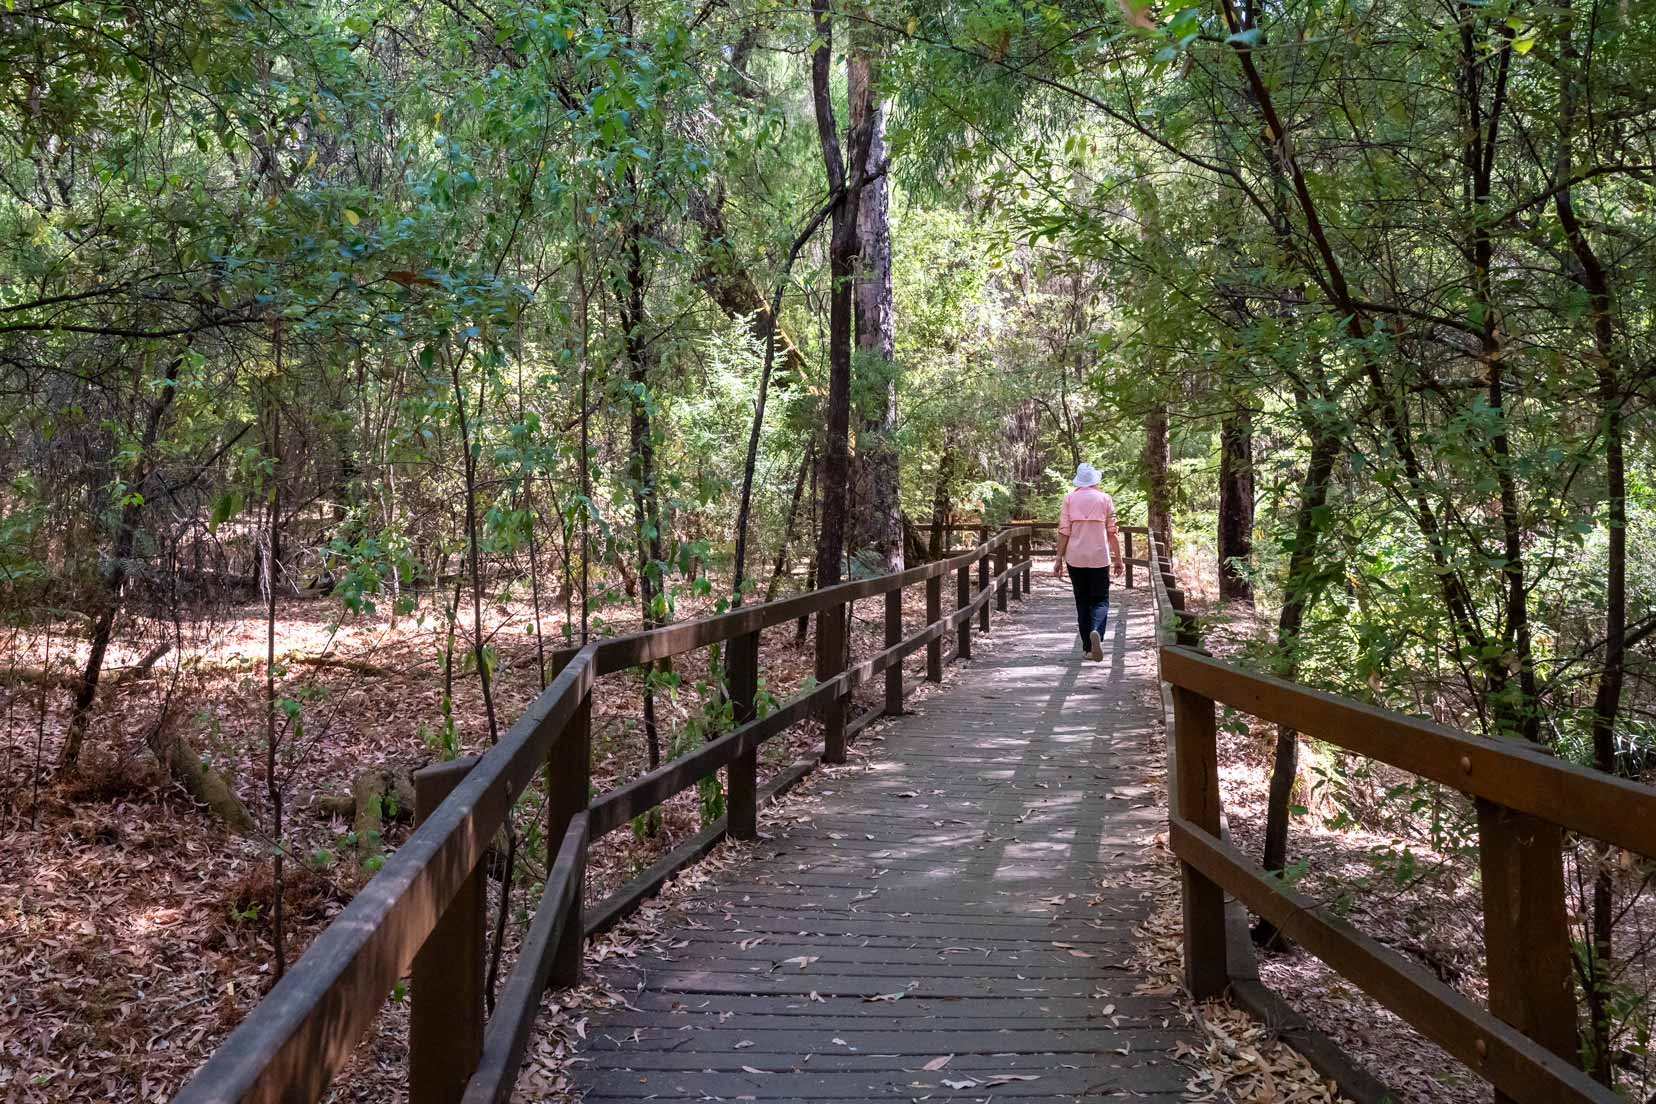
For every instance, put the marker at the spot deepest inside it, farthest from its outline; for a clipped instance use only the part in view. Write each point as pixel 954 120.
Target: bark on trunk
pixel 183 764
pixel 1593 278
pixel 914 549
pixel 845 177
pixel 1023 438
pixel 940 502
pixel 730 286
pixel 1299 593
pixel 778 571
pixel 879 520
pixel 1158 492
pixel 1517 713
pixel 1236 506
pixel 641 463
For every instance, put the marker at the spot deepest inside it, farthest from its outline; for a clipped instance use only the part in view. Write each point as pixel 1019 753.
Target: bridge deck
pixel 968 895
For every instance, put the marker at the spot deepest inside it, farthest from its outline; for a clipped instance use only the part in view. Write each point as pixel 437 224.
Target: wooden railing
pixel 1128 532
pixel 1525 1043
pixel 425 907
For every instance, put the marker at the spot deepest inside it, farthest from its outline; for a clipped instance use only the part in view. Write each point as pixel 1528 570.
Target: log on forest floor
pixel 65 680
pixel 184 765
pixel 357 666
pixel 377 795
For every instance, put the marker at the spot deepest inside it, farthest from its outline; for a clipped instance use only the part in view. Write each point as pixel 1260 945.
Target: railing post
pixel 1028 571
pixel 983 587
pixel 1000 570
pixel 1017 575
pixel 934 614
pixel 963 598
pixel 1129 537
pixel 1197 790
pixel 568 786
pixel 445 1016
pixel 894 637
pixel 1526 929
pixel 741 796
pixel 1184 624
pixel 830 661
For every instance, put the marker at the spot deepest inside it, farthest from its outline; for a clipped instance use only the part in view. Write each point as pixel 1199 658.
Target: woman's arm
pixel 1063 537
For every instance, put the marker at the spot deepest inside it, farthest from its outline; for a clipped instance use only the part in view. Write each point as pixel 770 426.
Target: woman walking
pixel 1090 544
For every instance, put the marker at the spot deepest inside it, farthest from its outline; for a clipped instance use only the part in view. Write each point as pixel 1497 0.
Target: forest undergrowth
pixel 140 926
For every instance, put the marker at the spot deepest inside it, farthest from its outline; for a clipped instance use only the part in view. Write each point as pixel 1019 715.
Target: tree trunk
pixel 119 564
pixel 788 524
pixel 184 765
pixel 641 463
pixel 1300 591
pixel 940 502
pixel 1593 278
pixel 1517 713
pixel 879 520
pixel 1023 437
pixel 730 286
pixel 744 511
pixel 914 549
pixel 1236 506
pixel 274 730
pixel 846 180
pixel 1158 492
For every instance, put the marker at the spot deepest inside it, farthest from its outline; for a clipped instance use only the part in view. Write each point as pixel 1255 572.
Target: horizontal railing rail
pixel 424 911
pixel 1128 532
pixel 1525 1042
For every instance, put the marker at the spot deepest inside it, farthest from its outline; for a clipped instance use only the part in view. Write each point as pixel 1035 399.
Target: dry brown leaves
pixel 1239 1059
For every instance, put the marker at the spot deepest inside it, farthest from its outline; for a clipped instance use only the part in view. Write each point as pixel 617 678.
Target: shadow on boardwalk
pixel 953 918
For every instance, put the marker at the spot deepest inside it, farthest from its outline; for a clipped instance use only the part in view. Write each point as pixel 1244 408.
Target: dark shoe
pixel 1096 652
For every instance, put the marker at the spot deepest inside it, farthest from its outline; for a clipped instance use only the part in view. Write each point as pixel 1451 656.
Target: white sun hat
pixel 1086 475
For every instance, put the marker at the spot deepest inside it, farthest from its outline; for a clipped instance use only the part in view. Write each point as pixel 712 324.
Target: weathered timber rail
pixel 425 908
pixel 1037 528
pixel 1524 1044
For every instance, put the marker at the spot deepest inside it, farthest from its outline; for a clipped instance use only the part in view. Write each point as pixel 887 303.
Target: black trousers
pixel 1092 598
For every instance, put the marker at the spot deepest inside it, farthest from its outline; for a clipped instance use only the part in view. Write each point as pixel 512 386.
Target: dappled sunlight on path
pixel 952 917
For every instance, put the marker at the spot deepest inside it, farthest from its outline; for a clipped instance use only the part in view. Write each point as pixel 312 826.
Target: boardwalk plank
pixel 911 909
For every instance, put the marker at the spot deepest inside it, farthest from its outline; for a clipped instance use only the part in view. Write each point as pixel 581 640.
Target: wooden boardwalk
pixel 953 920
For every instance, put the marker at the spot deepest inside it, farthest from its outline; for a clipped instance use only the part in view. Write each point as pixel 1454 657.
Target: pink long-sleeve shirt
pixel 1088 519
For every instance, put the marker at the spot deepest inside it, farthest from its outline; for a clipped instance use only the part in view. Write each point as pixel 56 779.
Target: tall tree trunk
pixel 845 180
pixel 273 557
pixel 1518 713
pixel 744 511
pixel 273 788
pixel 119 564
pixel 1300 591
pixel 940 502
pixel 880 519
pixel 1591 275
pixel 1023 439
pixel 1236 506
pixel 1158 492
pixel 641 466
